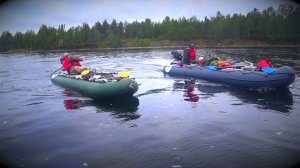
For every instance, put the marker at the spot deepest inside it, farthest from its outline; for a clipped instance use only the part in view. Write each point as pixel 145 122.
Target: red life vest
pixel 67 63
pixel 192 53
pixel 264 63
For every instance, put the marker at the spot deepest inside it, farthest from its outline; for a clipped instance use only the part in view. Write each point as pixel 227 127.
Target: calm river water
pixel 171 122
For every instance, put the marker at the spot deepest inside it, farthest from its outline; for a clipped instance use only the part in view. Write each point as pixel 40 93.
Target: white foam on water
pixel 160 62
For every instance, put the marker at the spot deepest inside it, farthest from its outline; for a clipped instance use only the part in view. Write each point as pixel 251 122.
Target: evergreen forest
pixel 271 26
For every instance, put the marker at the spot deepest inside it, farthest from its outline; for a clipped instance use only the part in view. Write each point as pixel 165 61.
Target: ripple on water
pixel 224 126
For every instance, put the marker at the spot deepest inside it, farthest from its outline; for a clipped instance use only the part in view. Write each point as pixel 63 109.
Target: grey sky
pixel 23 15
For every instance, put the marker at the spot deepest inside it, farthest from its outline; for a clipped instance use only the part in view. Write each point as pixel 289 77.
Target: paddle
pixel 214 67
pixel 56 71
pixel 268 70
pixel 173 62
pixel 122 74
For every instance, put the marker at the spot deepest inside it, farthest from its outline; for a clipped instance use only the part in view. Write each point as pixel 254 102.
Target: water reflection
pixel 188 87
pixel 278 100
pixel 120 107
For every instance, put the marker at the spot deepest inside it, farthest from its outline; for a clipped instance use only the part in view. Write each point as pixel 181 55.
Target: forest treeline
pixel 273 26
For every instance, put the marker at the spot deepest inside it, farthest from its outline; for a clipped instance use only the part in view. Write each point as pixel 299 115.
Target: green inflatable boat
pixel 98 86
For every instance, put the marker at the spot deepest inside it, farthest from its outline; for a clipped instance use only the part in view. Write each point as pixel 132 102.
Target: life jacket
pixel 264 63
pixel 67 63
pixel 192 54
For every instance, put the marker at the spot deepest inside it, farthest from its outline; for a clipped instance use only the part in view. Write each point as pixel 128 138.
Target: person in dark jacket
pixel 176 55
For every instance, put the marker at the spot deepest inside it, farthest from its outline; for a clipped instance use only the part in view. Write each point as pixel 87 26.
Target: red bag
pixel 264 63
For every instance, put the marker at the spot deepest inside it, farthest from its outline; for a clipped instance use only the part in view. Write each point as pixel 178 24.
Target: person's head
pixel 192 45
pixel 66 54
pixel 200 59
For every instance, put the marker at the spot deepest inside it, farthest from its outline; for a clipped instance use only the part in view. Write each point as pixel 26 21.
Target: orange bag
pixel 224 64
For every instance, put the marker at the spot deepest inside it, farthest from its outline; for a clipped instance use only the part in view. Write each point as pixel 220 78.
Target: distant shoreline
pixel 160 47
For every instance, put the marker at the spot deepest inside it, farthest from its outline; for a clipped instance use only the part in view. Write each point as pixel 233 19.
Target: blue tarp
pixel 268 70
pixel 211 67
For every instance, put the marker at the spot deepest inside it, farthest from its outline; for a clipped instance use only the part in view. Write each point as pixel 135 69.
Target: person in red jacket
pixel 189 55
pixel 193 53
pixel 71 64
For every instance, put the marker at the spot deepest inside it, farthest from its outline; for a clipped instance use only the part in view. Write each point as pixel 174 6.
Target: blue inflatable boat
pixel 274 78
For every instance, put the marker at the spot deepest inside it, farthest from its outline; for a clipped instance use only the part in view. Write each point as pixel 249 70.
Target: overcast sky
pixel 23 15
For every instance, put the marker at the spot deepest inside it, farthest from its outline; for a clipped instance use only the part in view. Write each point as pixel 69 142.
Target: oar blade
pixel 124 74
